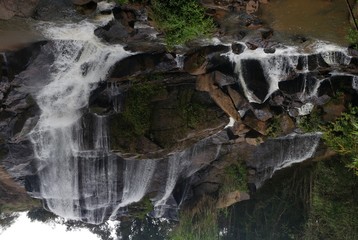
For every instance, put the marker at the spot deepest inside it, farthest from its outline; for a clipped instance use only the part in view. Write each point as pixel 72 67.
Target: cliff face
pixel 154 123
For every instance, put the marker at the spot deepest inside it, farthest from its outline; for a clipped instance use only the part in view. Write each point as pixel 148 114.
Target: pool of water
pixel 321 19
pixel 17 32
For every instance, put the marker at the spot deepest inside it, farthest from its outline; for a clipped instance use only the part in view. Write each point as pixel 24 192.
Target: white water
pixel 74 171
pixel 355 83
pixel 137 178
pixel 115 94
pixel 279 65
pixel 282 152
pixel 179 59
pixel 185 164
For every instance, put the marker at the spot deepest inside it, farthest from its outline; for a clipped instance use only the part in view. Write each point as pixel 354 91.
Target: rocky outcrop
pixel 21 8
pixel 232 198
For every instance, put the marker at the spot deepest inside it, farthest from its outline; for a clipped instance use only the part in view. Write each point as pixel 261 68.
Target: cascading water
pixel 137 178
pixel 260 73
pixel 185 164
pixel 355 83
pixel 77 174
pixel 282 152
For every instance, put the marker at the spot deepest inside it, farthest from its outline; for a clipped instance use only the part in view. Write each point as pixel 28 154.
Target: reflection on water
pixel 322 19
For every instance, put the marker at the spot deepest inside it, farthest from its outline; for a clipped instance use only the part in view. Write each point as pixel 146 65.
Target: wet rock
pixel 269 50
pixel 231 198
pixel 252 6
pixel 352 51
pixel 287 125
pixel 293 86
pixel 263 114
pixel 255 124
pixel 240 102
pixel 17 61
pixel 223 79
pixel 198 61
pixel 10 8
pixel 253 141
pixel 334 109
pixel 126 15
pixel 143 63
pixel 86 9
pixel 311 62
pixel 254 78
pixel 84 2
pixel 205 82
pixel 266 33
pixel 113 32
pixel 251 46
pixel 237 48
pixel 240 129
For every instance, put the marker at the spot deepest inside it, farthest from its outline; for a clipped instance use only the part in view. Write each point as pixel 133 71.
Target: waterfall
pixel 78 176
pixel 137 178
pixel 179 59
pixel 282 152
pixel 115 94
pixel 259 73
pixel 184 164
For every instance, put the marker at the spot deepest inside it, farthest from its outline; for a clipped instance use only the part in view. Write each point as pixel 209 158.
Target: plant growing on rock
pixel 342 137
pixel 181 20
pixel 352 37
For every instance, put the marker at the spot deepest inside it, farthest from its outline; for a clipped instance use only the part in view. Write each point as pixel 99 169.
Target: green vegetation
pixel 192 113
pixel 140 209
pixel 311 122
pixel 352 37
pixel 308 202
pixel 274 128
pixel 181 20
pixel 137 109
pixel 199 223
pixel 334 206
pixel 235 178
pixel 342 137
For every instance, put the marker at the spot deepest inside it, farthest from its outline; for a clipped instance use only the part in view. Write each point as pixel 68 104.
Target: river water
pixel 320 19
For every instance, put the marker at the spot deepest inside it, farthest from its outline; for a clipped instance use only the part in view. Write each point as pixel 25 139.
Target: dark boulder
pixel 254 78
pixel 206 59
pixel 143 63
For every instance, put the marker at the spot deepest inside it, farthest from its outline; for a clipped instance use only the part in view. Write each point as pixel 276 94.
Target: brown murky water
pixel 16 33
pixel 321 19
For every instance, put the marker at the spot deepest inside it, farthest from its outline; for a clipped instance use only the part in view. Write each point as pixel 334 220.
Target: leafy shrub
pixel 342 136
pixel 235 178
pixel 181 20
pixel 352 37
pixel 199 223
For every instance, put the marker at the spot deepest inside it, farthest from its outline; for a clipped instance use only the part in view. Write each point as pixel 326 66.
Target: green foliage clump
pixel 181 20
pixel 274 128
pixel 342 136
pixel 198 224
pixel 141 209
pixel 333 211
pixel 352 37
pixel 311 122
pixel 235 178
pixel 137 111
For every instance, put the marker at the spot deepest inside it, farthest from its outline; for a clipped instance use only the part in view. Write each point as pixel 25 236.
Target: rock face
pixel 155 123
pixel 21 8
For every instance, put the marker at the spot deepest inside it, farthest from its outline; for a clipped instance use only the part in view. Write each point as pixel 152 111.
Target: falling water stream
pixel 73 170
